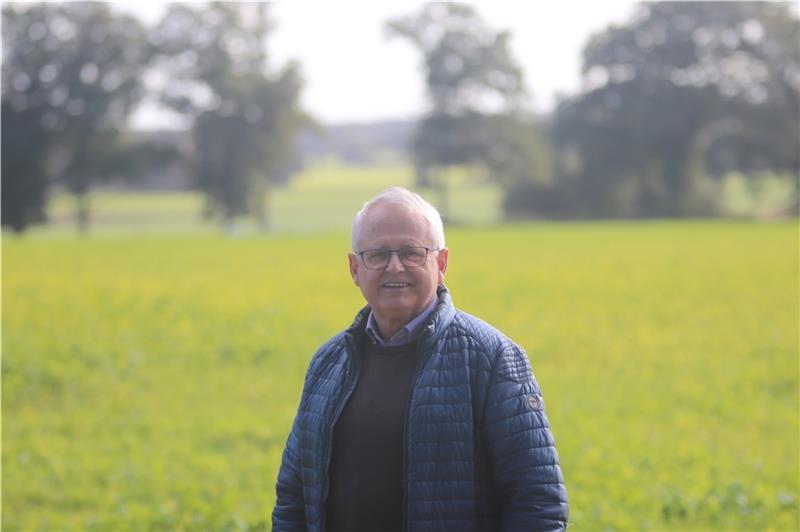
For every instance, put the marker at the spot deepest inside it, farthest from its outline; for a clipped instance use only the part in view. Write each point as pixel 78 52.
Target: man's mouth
pixel 396 285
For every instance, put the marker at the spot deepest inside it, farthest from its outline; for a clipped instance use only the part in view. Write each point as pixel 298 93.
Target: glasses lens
pixel 410 256
pixel 413 256
pixel 376 259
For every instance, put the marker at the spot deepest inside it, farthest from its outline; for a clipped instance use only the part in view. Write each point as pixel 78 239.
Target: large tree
pixel 71 75
pixel 475 92
pixel 244 118
pixel 684 90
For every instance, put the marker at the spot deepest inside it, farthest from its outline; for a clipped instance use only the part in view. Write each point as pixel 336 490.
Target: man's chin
pixel 394 310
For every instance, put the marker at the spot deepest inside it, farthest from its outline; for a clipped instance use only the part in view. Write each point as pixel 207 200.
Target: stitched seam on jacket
pixel 515 414
pixel 528 429
pixel 508 456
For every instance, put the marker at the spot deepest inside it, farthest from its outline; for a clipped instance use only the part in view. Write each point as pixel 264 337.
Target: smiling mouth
pixel 396 285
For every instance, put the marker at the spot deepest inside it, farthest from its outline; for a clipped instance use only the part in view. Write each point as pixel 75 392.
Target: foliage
pixel 475 90
pixel 24 179
pixel 683 90
pixel 150 382
pixel 71 74
pixel 766 196
pixel 244 119
pixel 468 66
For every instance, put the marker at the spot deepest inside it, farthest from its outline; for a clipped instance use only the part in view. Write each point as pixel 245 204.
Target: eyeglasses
pixel 410 256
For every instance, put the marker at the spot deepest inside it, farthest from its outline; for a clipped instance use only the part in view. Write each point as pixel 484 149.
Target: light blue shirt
pixel 407 334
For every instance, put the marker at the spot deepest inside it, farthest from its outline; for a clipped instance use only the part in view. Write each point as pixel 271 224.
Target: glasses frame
pixel 396 252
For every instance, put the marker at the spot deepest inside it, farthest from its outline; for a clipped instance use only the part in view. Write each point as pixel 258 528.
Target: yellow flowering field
pixel 149 380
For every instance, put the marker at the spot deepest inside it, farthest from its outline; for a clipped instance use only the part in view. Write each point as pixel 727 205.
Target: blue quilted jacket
pixel 479 451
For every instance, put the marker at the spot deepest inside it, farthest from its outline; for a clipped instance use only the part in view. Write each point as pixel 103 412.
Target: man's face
pixel 397 293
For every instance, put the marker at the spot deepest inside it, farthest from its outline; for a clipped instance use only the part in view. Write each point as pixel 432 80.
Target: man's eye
pixel 378 255
pixel 412 254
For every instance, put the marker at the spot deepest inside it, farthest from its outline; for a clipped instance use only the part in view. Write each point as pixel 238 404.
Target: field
pixel 150 378
pixel 322 198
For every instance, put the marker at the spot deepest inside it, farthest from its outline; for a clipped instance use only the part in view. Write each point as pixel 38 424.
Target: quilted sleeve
pixel 527 477
pixel 289 512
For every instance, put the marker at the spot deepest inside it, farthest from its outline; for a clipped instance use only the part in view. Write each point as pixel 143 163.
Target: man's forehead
pixel 394 222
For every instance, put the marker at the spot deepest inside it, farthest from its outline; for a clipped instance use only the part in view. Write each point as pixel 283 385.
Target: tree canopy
pixel 244 118
pixel 475 95
pixel 73 72
pixel 684 90
pixel 71 75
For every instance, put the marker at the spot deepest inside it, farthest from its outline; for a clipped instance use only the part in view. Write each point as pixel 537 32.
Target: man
pixel 418 416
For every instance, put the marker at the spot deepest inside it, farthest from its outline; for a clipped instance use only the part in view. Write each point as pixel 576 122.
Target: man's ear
pixel 353 260
pixel 441 262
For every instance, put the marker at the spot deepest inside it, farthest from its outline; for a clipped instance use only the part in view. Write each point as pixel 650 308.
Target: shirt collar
pixel 410 331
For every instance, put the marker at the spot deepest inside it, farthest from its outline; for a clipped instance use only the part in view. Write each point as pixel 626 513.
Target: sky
pixel 354 72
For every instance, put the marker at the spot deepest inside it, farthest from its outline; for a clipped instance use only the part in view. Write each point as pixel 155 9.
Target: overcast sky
pixel 354 73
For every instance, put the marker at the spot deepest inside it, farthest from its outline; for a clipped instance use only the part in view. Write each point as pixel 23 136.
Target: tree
pixel 71 75
pixel 244 120
pixel 682 91
pixel 24 181
pixel 475 92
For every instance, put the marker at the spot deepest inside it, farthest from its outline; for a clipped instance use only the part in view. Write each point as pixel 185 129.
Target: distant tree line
pixel 678 96
pixel 359 144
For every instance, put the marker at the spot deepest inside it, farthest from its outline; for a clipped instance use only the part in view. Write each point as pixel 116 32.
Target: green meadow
pixel 150 376
pixel 321 199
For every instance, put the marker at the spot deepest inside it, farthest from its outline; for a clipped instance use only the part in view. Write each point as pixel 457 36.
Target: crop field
pixel 150 379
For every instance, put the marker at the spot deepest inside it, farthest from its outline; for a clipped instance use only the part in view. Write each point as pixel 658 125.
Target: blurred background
pixel 125 114
pixel 619 183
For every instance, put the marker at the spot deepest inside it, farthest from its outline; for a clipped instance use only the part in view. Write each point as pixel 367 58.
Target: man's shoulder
pixel 332 346
pixel 478 327
pixel 485 334
pixel 327 352
pixel 508 358
pixel 334 342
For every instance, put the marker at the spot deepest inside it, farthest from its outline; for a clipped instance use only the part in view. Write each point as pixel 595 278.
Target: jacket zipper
pixel 417 373
pixel 328 444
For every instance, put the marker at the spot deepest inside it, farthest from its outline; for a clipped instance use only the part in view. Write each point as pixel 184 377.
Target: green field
pixel 149 379
pixel 322 198
pixel 151 371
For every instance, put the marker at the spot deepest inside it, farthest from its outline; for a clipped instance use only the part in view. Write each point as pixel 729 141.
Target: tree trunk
pixel 261 208
pixel 443 191
pixel 423 175
pixel 82 206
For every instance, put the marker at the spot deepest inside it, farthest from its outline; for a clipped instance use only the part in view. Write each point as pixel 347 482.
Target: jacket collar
pixel 440 320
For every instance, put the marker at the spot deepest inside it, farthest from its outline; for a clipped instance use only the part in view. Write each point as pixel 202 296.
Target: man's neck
pixel 388 327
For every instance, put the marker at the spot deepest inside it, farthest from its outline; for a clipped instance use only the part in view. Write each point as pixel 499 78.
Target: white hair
pixel 402 196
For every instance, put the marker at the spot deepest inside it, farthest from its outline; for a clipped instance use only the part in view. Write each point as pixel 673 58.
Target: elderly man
pixel 418 416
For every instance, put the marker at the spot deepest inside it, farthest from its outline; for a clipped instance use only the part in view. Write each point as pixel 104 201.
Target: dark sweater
pixel 367 463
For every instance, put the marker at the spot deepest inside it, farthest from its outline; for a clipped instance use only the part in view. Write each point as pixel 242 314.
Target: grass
pixel 323 198
pixel 150 379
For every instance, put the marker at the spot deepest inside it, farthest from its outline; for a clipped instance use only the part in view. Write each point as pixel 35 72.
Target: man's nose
pixel 395 264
